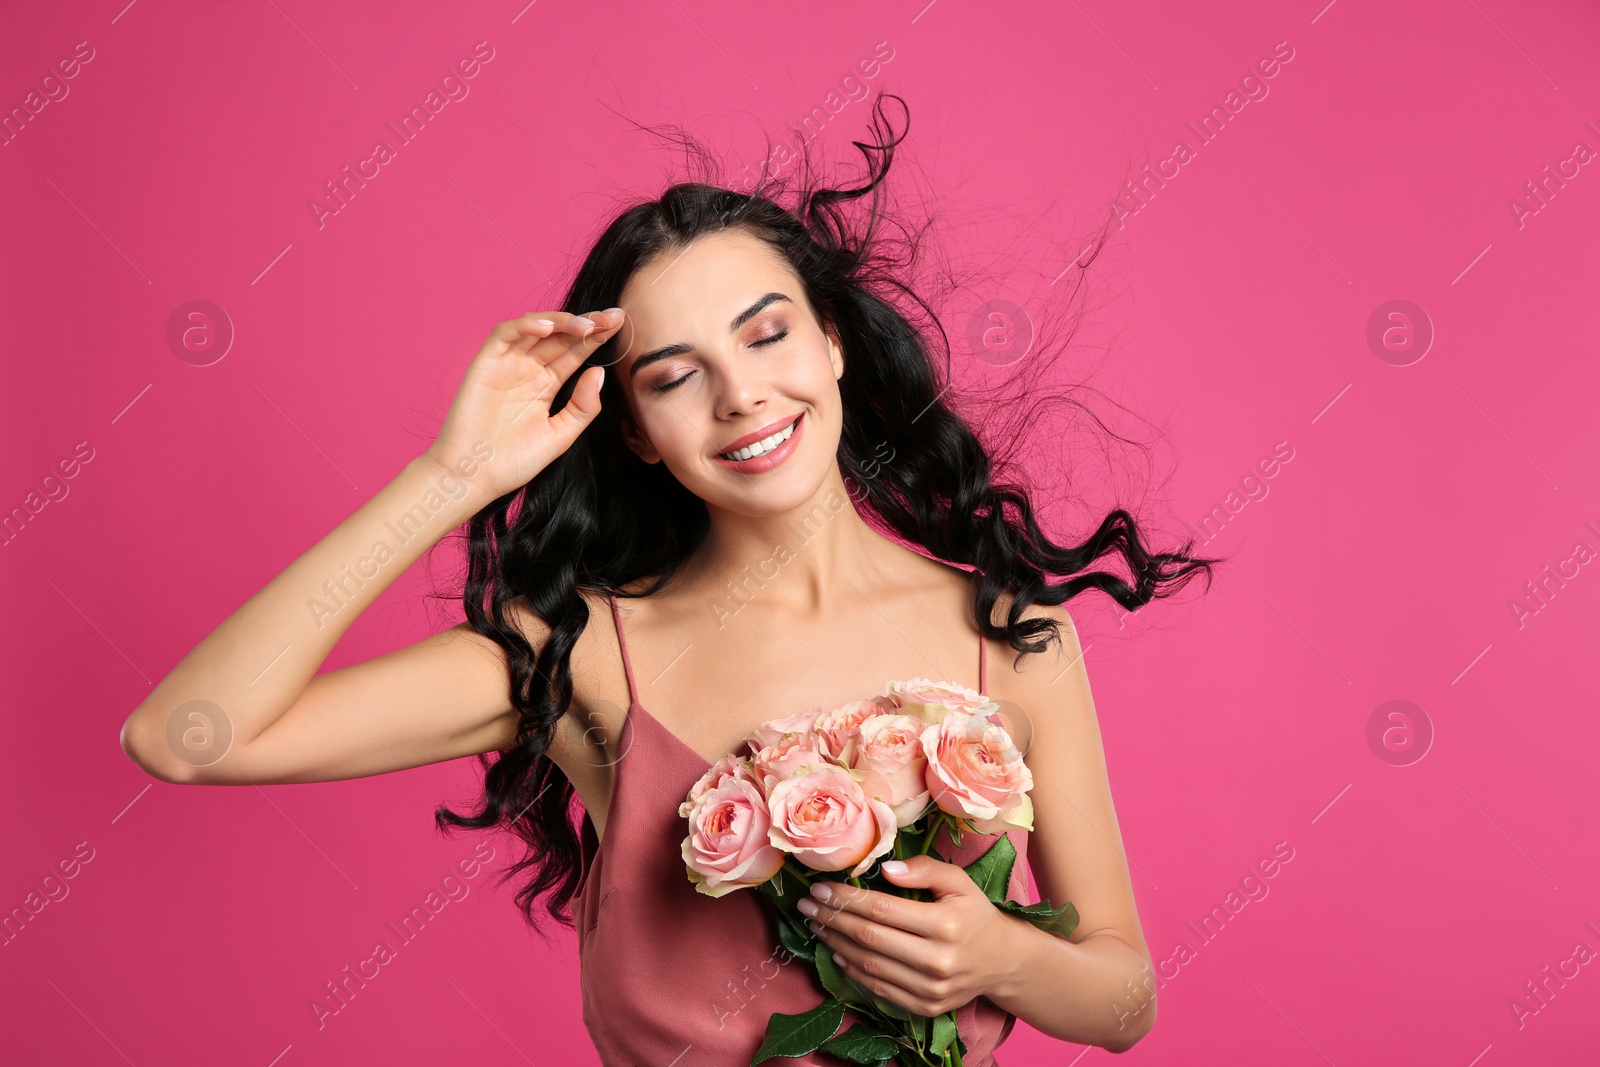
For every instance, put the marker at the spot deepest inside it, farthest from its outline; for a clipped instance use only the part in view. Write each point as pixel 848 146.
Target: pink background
pixel 1231 311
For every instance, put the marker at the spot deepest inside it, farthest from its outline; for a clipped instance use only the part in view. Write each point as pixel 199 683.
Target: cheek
pixel 675 431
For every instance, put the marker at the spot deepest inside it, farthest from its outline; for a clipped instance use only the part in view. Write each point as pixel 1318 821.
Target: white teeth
pixel 761 447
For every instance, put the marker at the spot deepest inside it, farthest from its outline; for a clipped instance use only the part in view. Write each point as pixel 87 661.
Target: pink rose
pixel 726 767
pixel 975 772
pixel 769 732
pixel 838 727
pixel 891 766
pixel 783 757
pixel 932 701
pixel 827 822
pixel 729 846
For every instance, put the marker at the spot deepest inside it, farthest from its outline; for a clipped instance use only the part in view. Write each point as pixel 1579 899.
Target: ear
pixel 835 350
pixel 635 439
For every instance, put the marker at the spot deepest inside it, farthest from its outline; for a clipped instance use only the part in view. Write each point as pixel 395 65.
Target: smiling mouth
pixel 761 447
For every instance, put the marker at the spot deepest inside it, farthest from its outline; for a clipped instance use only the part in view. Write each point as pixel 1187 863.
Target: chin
pixel 766 495
pixel 768 499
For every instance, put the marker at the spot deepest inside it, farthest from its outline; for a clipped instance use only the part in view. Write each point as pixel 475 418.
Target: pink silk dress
pixel 674 978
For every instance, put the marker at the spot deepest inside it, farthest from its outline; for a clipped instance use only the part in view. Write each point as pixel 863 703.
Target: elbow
pixel 149 753
pixel 1136 1015
pixel 1133 1027
pixel 1130 1037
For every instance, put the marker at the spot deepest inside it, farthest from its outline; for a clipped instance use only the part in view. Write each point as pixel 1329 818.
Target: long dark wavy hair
pixel 600 519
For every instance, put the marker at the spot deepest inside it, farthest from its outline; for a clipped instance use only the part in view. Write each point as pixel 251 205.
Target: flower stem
pixel 795 869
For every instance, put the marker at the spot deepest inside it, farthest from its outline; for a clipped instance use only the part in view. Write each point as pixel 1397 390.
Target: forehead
pixel 691 294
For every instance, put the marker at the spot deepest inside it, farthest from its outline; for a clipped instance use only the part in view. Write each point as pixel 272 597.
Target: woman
pixel 708 451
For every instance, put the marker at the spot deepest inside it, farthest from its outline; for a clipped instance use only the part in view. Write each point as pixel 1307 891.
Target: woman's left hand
pixel 929 957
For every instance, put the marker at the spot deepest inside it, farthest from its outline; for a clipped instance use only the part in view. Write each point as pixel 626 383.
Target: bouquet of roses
pixel 827 794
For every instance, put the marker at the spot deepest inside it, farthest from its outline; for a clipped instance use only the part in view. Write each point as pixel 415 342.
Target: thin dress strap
pixel 622 643
pixel 983 666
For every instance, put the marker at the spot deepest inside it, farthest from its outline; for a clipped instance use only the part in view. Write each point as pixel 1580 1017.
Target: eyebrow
pixel 680 348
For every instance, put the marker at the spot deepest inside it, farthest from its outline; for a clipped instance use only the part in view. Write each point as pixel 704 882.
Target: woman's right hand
pixel 504 399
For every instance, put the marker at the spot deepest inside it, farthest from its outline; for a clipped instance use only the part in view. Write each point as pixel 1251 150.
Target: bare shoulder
pixel 592 689
pixel 1033 687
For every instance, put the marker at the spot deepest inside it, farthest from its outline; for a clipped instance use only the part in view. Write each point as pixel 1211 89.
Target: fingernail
pixel 815 927
pixel 807 906
pixel 820 890
pixel 895 866
pixel 543 322
pixel 613 311
pixel 581 321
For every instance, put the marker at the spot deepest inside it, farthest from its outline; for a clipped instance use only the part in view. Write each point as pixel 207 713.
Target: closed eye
pixel 668 386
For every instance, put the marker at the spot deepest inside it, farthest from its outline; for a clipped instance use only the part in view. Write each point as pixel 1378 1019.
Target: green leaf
pixel 992 870
pixel 1059 921
pixel 797 1035
pixel 944 1032
pixel 834 980
pixel 800 943
pixel 891 1009
pixel 793 933
pixel 862 1044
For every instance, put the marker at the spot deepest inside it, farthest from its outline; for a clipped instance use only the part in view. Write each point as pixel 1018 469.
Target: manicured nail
pixel 807 906
pixel 816 928
pixel 543 322
pixel 581 321
pixel 894 866
pixel 820 890
pixel 613 311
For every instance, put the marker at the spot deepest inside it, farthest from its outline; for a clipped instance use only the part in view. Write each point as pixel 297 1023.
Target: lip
pixel 760 435
pixel 767 460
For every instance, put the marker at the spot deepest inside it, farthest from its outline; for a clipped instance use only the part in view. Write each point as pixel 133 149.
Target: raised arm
pixel 246 705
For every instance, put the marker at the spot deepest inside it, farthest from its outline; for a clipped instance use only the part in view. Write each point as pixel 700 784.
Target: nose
pixel 742 388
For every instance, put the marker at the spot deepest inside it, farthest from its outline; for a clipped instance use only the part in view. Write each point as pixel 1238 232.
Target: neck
pixel 807 557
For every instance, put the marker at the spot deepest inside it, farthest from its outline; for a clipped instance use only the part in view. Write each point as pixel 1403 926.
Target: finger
pixel 513 330
pixel 579 325
pixel 883 975
pixel 847 901
pixel 544 323
pixel 925 872
pixel 912 949
pixel 564 356
pixel 584 404
pixel 910 953
pixel 529 331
